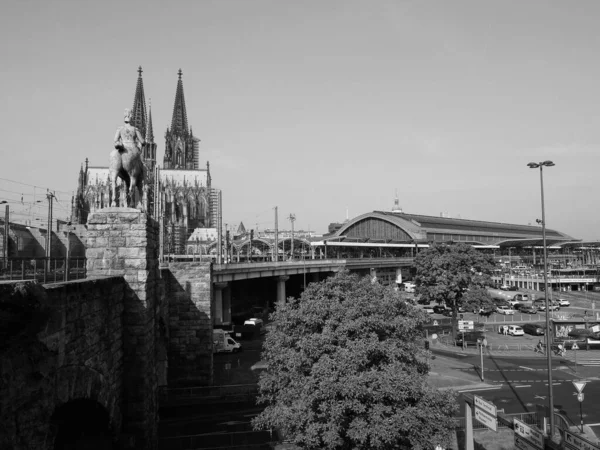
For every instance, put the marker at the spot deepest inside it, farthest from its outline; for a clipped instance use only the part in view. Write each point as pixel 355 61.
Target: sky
pixel 325 109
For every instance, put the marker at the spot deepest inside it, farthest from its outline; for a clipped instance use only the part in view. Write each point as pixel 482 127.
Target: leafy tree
pixel 347 369
pixel 476 298
pixel 446 272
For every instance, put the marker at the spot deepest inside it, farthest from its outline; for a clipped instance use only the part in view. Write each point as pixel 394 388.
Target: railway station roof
pixel 399 227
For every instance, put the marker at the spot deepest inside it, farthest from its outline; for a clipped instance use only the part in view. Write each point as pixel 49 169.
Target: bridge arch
pixel 82 423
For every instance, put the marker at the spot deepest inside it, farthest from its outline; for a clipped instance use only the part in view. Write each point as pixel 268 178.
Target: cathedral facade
pixel 180 194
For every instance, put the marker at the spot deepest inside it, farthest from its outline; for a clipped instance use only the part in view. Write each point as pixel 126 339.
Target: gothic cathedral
pixel 180 193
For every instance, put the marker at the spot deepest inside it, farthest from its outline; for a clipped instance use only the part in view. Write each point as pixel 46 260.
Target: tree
pixel 347 369
pixel 446 272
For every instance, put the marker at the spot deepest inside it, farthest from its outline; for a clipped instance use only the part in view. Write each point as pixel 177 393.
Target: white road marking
pixel 526 368
pixel 525 385
pixel 482 389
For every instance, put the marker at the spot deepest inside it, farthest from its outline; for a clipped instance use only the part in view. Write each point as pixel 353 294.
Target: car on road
pixel 471 338
pixel 540 305
pixel 504 287
pixel 515 330
pixel 428 310
pixel 533 329
pixel 528 310
pixel 564 302
pixel 439 309
pixel 506 310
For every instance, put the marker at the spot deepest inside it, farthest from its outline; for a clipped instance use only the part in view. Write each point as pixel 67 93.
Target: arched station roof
pixel 398 227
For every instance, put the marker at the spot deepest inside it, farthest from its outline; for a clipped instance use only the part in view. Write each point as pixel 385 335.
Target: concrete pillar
pixel 124 242
pixel 218 313
pixel 281 289
pixel 227 304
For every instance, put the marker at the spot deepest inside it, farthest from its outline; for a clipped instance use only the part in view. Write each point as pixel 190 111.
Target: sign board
pixel 530 433
pixel 466 325
pixel 489 421
pixel 435 323
pixel 484 405
pixel 575 346
pixel 580 397
pixel 434 336
pixel 579 385
pixel 522 444
pixel 574 442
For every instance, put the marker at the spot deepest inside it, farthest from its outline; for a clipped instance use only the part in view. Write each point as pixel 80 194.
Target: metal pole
pixel 581 413
pixel 6 231
pixel 276 253
pixel 481 354
pixel 548 342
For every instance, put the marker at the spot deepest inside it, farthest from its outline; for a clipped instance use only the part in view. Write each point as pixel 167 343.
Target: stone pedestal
pixel 124 242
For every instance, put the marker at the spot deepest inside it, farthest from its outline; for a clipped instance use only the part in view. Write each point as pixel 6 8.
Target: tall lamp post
pixel 541 165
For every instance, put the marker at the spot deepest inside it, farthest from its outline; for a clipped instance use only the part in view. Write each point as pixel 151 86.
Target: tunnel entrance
pixel 82 424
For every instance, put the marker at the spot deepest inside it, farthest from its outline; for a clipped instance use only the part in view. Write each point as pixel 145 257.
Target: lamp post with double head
pixel 541 166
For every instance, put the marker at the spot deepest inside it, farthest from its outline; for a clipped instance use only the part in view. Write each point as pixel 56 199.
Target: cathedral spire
pixel 149 129
pixel 179 123
pixel 138 111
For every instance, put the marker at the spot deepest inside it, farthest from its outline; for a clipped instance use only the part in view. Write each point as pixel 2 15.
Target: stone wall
pixel 188 287
pixel 58 343
pixel 124 242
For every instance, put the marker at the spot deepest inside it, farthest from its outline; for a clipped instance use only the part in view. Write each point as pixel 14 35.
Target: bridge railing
pixel 43 270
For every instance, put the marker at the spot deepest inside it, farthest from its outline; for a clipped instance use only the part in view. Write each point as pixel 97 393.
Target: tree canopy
pixel 445 273
pixel 347 369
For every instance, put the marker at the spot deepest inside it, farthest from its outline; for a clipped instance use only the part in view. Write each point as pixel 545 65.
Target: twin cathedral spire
pixel 181 147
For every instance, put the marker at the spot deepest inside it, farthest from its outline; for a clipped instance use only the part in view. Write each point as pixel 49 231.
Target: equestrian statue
pixel 126 162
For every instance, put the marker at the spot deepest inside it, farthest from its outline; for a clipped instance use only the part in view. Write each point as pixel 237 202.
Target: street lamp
pixel 541 165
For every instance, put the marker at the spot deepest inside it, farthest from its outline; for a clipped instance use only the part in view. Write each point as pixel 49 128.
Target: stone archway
pixel 82 424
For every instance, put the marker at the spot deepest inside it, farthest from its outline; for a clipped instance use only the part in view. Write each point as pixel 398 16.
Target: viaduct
pixel 81 361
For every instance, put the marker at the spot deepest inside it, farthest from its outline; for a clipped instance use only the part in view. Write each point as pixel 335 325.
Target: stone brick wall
pixel 58 343
pixel 124 242
pixel 188 286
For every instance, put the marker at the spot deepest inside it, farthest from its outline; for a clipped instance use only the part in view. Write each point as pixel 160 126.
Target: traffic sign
pixel 466 325
pixel 580 397
pixel 522 444
pixel 434 336
pixel 579 385
pixel 572 441
pixel 484 405
pixel 575 346
pixel 489 421
pixel 532 435
pixel 435 323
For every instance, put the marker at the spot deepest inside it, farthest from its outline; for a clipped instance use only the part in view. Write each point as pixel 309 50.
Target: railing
pixel 237 440
pixel 43 270
pixel 167 395
pixel 530 418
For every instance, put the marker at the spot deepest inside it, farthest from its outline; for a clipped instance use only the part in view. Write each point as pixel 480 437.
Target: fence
pixel 236 440
pixel 200 393
pixel 530 418
pixel 43 270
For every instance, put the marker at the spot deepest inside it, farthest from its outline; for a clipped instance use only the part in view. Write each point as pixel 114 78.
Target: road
pixel 518 384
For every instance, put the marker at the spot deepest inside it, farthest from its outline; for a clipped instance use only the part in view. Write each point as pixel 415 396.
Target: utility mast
pixel 292 218
pixel 276 250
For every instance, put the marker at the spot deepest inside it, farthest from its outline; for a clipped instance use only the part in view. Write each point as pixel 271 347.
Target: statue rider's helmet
pixel 127 116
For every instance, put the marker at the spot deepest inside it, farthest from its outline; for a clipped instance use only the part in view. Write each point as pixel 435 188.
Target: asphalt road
pixel 519 384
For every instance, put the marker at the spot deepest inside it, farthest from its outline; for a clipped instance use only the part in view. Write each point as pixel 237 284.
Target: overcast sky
pixel 322 108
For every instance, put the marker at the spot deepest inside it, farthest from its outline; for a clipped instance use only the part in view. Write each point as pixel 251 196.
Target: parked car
pixel 564 302
pixel 515 330
pixel 554 306
pixel 506 310
pixel 540 305
pixel 428 309
pixel 486 312
pixel 513 288
pixel 504 287
pixel 533 329
pixel 528 310
pixel 439 309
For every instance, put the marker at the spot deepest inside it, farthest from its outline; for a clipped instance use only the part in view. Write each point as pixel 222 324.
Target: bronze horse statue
pixel 126 162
